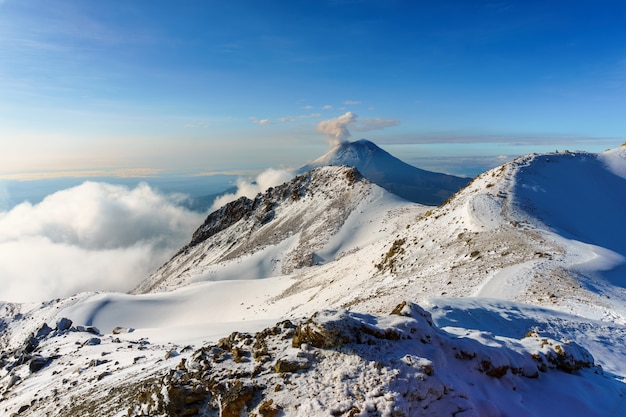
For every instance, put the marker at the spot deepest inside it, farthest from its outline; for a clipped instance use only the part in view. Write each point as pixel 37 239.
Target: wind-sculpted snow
pixel 576 196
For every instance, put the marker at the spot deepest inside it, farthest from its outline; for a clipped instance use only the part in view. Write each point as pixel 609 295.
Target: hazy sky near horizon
pixel 210 85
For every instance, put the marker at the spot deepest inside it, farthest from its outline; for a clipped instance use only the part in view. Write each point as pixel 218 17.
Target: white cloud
pixel 310 116
pixel 327 107
pixel 93 237
pixel 261 121
pixel 245 188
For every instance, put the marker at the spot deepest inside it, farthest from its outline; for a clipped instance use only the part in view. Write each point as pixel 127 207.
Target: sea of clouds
pixel 92 237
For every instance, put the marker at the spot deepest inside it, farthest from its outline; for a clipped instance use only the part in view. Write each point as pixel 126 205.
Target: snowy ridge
pixel 310 220
pixel 520 279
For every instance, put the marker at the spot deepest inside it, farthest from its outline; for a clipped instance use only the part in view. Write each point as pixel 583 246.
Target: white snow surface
pixel 528 257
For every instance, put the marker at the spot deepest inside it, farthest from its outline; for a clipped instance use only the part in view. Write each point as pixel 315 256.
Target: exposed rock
pixel 64 324
pixel 268 409
pixel 401 362
pixel 286 365
pixel 43 331
pixel 92 342
pixel 235 399
pixel 120 330
pixel 31 344
pixel 37 363
pixel 88 329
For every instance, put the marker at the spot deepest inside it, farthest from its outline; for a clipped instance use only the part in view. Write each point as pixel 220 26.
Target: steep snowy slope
pixel 314 219
pixel 378 166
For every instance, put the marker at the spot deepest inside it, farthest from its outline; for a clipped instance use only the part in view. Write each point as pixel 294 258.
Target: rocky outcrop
pixel 261 208
pixel 401 365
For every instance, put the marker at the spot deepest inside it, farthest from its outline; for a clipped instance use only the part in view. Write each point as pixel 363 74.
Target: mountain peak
pixel 287 227
pixel 392 174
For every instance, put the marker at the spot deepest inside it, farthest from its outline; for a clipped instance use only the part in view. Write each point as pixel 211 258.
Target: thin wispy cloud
pixel 119 173
pixel 291 119
pixel 365 125
pixel 200 124
pixel 260 121
pixel 509 140
pixel 351 102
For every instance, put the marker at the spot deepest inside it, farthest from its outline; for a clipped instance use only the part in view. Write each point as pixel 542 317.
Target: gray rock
pixel 43 331
pixel 88 329
pixel 31 344
pixel 37 362
pixel 64 324
pixel 92 342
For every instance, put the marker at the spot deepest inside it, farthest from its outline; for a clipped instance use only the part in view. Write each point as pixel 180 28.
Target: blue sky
pixel 150 86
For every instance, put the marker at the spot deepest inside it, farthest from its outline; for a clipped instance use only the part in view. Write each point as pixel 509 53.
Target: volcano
pixel 382 168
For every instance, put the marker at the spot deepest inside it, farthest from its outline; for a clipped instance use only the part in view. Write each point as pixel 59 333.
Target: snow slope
pixel 520 275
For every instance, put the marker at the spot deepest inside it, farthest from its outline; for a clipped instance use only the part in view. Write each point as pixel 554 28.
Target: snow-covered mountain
pixel 387 171
pixel 318 217
pixel 329 295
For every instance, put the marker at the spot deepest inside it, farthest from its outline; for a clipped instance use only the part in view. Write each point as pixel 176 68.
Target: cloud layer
pixel 245 188
pixel 93 237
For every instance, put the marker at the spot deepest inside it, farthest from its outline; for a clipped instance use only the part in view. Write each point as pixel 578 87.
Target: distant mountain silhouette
pixel 387 171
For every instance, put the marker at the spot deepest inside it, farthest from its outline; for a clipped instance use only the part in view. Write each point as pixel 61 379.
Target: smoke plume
pixel 336 130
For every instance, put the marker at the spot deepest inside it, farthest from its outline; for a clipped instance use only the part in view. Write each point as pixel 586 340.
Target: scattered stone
pixel 88 329
pixel 120 330
pixel 31 344
pixel 14 379
pixel 235 399
pixel 103 375
pixel 267 409
pixel 97 362
pixel 171 354
pixel 287 366
pixel 92 342
pixel 37 363
pixel 43 331
pixel 64 324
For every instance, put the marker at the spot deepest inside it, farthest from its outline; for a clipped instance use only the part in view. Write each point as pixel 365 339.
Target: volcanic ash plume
pixel 336 130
